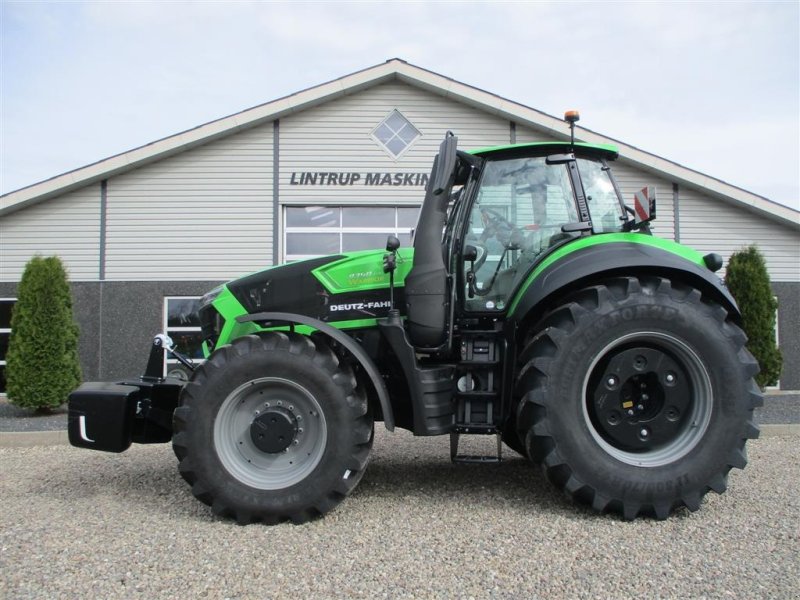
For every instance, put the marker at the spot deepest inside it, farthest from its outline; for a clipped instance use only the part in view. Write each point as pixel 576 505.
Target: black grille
pixel 211 323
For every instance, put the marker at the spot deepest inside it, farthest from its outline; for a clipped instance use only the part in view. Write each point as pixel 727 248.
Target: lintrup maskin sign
pixel 345 178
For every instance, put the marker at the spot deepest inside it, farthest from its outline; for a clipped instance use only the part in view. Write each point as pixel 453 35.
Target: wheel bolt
pixel 644 433
pixel 630 412
pixel 645 397
pixel 640 407
pixel 612 381
pixel 670 377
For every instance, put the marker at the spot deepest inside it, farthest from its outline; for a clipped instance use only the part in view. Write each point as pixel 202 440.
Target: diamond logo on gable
pixel 395 134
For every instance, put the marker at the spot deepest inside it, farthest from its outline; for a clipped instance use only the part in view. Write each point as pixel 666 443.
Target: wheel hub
pixel 641 398
pixel 273 430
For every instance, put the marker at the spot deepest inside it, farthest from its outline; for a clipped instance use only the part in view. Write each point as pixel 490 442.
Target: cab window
pixel 517 215
pixel 601 196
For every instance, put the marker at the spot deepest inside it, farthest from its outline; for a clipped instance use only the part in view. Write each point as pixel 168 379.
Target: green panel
pixel 611 238
pixel 359 271
pixel 229 307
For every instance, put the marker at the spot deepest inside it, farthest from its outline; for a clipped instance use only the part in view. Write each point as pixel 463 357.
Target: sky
pixel 714 86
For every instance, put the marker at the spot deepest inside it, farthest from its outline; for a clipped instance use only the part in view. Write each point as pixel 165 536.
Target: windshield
pixel 601 196
pixel 517 215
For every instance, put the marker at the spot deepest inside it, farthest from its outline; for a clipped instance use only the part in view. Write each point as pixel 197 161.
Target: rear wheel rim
pixel 647 399
pixel 247 461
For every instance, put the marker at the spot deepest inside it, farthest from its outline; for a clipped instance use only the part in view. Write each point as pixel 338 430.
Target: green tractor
pixel 534 306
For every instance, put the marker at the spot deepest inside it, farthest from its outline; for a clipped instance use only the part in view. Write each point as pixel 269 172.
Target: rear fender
pixel 600 261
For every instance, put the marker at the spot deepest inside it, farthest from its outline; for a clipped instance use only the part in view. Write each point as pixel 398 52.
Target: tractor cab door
pixel 517 215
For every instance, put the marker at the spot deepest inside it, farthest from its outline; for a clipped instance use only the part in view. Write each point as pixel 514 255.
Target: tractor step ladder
pixel 472 458
pixel 477 397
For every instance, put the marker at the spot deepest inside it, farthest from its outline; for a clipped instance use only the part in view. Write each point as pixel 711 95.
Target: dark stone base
pixel 117 321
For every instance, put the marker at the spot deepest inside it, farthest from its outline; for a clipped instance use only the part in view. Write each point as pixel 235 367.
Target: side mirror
pixel 644 204
pixel 445 164
pixel 644 208
pixel 390 260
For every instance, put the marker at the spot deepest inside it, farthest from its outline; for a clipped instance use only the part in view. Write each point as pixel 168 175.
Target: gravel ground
pixel 126 526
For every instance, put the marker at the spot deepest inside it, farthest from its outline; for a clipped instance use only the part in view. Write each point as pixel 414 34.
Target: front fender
pixel 277 319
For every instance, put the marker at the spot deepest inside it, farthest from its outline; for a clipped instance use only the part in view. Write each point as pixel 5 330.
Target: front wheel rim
pixel 270 468
pixel 647 399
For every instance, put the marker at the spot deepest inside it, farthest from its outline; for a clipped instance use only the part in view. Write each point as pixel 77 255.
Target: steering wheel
pixel 494 223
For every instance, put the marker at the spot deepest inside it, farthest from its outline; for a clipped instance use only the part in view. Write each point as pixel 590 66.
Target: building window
pixel 319 230
pixel 182 324
pixel 6 306
pixel 395 134
pixel 777 385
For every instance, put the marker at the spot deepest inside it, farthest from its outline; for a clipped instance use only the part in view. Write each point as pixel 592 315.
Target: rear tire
pixel 637 396
pixel 272 428
pixel 511 438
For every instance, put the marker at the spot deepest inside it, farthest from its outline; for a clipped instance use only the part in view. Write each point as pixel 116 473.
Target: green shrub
pixel 748 281
pixel 42 365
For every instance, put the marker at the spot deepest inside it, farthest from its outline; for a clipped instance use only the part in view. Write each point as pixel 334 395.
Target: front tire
pixel 271 428
pixel 637 396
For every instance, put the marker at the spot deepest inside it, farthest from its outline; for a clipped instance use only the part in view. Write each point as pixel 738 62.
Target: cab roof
pixel 606 151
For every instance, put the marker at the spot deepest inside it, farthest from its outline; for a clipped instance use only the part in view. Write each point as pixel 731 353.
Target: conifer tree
pixel 748 281
pixel 42 365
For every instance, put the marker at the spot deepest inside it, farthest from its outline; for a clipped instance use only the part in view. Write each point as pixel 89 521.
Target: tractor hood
pixel 344 287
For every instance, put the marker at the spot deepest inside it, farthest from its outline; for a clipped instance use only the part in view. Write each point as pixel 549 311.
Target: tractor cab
pixel 503 210
pixel 530 200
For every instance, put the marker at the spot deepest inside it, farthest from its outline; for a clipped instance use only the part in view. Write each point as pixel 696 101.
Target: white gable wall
pixel 711 225
pixel 526 135
pixel 68 227
pixel 203 214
